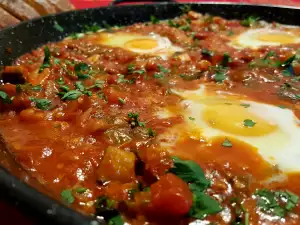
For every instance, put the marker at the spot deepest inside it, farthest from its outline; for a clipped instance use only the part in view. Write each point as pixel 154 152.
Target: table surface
pixel 10 211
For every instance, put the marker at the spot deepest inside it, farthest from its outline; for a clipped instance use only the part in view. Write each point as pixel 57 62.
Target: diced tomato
pixel 112 79
pixel 171 196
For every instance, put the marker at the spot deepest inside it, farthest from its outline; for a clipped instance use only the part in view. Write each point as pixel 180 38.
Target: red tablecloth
pixel 9 214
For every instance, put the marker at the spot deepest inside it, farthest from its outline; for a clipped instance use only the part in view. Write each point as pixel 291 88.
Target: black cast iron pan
pixel 22 38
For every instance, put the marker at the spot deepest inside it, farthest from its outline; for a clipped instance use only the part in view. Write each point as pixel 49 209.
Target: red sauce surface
pixel 95 141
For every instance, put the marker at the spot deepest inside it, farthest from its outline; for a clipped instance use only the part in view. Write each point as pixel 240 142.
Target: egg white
pixel 164 47
pixel 251 38
pixel 280 147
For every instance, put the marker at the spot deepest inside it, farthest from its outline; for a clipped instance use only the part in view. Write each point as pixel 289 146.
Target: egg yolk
pixel 143 43
pixel 282 38
pixel 230 119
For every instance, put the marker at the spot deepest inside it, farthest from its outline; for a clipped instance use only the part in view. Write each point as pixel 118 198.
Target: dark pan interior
pixel 27 36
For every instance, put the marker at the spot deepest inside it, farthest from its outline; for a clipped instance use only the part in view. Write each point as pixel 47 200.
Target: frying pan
pixel 24 37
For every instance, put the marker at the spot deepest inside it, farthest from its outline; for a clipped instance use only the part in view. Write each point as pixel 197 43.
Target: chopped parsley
pixel 58 27
pixel 203 205
pixel 131 69
pixel 249 21
pixel 207 52
pixel 151 132
pixel 159 75
pixel 81 190
pixel 162 72
pixel 249 123
pixel 82 70
pixel 5 98
pixel 226 59
pixel 230 33
pixel 116 220
pixel 60 80
pixel 185 8
pixel 220 74
pixel 41 103
pixel 245 105
pixel 122 101
pixel 191 172
pixel 46 62
pixel 154 20
pixel 172 24
pixel 74 36
pixel 134 120
pixel 67 196
pixel 227 143
pixel 191 118
pixel 121 79
pixel 289 61
pixel 71 95
pixel 282 106
pixel 92 28
pixel 276 203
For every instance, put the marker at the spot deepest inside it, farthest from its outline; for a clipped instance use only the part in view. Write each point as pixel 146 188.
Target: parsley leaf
pixel 72 95
pixel 92 28
pixel 159 76
pixel 249 21
pixel 82 70
pixel 5 98
pixel 245 105
pixel 58 27
pixel 207 52
pixel 227 143
pixel 41 103
pixel 67 196
pixel 226 59
pixel 189 171
pixel 276 203
pixel 116 220
pixel 151 132
pixel 191 118
pixel 203 205
pixel 220 74
pixel 134 120
pixel 81 190
pixel 249 123
pixel 154 20
pixel 46 62
pixel 289 61
pixel 60 80
pixel 122 101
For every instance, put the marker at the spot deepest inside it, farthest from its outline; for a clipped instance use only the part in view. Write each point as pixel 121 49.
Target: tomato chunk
pixel 171 196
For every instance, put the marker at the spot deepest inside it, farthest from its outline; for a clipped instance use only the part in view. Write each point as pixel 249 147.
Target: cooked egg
pixel 255 38
pixel 152 44
pixel 274 131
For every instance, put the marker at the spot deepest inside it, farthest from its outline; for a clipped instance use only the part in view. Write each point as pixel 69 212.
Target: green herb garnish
pixel 82 70
pixel 249 21
pixel 5 98
pixel 151 132
pixel 227 143
pixel 67 196
pixel 276 203
pixel 154 20
pixel 71 95
pixel 249 123
pixel 81 190
pixel 245 105
pixel 46 62
pixel 122 101
pixel 58 27
pixel 41 103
